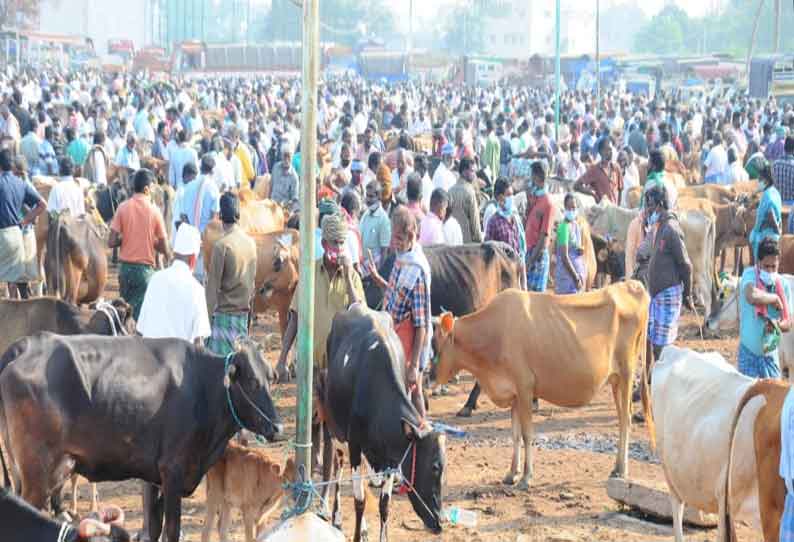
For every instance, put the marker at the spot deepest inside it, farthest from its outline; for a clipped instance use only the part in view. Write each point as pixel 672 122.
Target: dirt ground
pixel 567 501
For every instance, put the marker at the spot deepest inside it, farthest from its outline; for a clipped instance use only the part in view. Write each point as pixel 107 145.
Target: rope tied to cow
pixel 112 315
pixel 227 384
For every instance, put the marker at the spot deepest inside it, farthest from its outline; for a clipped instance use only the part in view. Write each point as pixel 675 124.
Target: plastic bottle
pixel 461 516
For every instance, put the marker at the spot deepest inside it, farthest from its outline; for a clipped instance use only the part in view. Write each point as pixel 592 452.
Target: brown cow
pixel 766 434
pixel 246 479
pixel 730 220
pixel 259 216
pixel 552 357
pixel 276 267
pixel 76 263
pixel 787 254
pixel 715 193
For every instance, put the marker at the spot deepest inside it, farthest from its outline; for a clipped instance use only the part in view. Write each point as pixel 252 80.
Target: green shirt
pixel 77 150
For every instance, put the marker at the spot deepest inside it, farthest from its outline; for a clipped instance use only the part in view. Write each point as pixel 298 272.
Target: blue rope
pixel 229 357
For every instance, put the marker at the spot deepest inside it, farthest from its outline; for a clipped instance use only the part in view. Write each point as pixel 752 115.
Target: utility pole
pixel 557 75
pixel 410 26
pixel 776 33
pixel 598 57
pixel 311 49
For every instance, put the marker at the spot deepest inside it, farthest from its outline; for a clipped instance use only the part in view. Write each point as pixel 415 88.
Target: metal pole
pixel 598 56
pixel 308 222
pixel 776 16
pixel 410 26
pixel 557 75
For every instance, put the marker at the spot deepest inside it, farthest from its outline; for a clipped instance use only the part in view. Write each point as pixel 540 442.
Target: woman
pixel 764 309
pixel 570 272
pixel 770 208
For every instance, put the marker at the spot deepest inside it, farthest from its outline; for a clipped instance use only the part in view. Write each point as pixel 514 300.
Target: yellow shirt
pixel 245 161
pixel 330 297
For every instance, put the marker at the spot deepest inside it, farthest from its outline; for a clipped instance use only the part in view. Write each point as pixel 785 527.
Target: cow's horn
pixel 90 528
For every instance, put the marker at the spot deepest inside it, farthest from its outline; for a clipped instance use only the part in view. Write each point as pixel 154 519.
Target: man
pixel 174 304
pixel 9 126
pixel 444 177
pixel 356 185
pixel 127 157
pixel 198 201
pixel 96 165
pixel 375 226
pixel 244 155
pixel 14 252
pixel 284 181
pixel 336 287
pixel 637 140
pixel 463 203
pixel 669 272
pixel 138 229
pixel 762 312
pixel 538 226
pixel 230 280
pixel 505 225
pixel 76 148
pixel 29 146
pixel 431 228
pixel 716 163
pixel 420 167
pixel 180 155
pixel 570 165
pixel 400 174
pixel 491 157
pixel 228 172
pixel 407 300
pixel 67 193
pixel 174 307
pixel 630 173
pixel 783 172
pixel 602 180
pixel 737 135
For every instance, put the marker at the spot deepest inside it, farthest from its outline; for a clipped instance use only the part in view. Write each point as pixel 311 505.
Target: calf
pixel 693 398
pixel 766 441
pixel 246 479
pixel 23 523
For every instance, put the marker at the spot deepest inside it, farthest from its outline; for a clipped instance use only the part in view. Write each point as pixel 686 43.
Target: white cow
pixel 694 397
pixel 726 317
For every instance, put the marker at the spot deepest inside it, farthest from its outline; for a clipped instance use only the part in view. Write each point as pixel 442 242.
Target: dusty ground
pixel 567 500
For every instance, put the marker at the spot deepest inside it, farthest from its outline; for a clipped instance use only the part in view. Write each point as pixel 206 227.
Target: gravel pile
pixel 638 450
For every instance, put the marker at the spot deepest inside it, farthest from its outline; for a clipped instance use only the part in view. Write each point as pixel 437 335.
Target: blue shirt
pixel 751 326
pixel 14 192
pixel 210 203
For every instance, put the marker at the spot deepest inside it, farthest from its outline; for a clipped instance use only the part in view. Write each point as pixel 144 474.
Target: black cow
pixel 160 410
pixel 464 279
pixel 364 403
pixel 20 522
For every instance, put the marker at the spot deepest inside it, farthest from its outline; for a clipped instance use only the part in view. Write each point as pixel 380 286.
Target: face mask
pixel 374 206
pixel 345 163
pixel 576 155
pixel 507 206
pixel 332 254
pixel 540 192
pixel 570 215
pixel 767 278
pixel 654 218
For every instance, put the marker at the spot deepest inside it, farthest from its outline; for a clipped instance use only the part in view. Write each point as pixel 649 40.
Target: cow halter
pixel 408 486
pixel 227 384
pixel 113 316
pixel 63 534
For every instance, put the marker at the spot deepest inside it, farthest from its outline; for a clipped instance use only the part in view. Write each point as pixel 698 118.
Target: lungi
pixel 226 328
pixel 31 271
pixel 133 280
pixel 755 366
pixel 664 314
pixel 787 520
pixel 538 272
pixel 12 254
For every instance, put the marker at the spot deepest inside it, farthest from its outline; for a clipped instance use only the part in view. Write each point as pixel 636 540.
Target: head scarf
pixel 334 228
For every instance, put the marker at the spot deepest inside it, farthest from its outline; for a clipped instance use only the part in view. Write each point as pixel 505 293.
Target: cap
pixel 187 241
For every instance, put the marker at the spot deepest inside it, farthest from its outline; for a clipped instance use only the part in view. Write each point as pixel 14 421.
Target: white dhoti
pixel 30 263
pixel 12 254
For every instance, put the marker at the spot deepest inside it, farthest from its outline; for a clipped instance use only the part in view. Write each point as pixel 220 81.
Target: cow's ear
pixel 447 322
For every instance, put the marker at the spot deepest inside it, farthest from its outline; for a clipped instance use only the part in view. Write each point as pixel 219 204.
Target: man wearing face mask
pixel 538 226
pixel 504 225
pixel 669 271
pixel 604 179
pixel 375 227
pixel 764 312
pixel 337 286
pixel 407 300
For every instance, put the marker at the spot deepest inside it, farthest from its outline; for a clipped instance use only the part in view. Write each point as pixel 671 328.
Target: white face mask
pixel 576 155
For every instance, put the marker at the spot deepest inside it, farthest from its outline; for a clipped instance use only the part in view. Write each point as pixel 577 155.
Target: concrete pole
pixel 776 33
pixel 308 222
pixel 557 75
pixel 410 26
pixel 598 57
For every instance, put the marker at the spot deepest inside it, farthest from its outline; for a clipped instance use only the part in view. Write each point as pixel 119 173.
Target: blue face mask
pixel 540 192
pixel 570 215
pixel 766 277
pixel 507 206
pixel 654 218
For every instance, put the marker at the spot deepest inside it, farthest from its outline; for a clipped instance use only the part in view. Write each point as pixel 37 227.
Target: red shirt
pixel 538 219
pixel 605 182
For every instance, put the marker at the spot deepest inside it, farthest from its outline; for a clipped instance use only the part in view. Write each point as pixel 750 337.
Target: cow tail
pixel 646 384
pixel 6 477
pixel 758 388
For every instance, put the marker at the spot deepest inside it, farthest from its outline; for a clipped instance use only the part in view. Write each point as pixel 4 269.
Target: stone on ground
pixel 654 502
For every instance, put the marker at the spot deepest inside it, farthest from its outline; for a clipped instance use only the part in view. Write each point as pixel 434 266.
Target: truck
pixel 772 76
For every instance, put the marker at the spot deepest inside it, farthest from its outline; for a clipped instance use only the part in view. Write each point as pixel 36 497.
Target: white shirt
pixel 452 232
pixel 67 194
pixel 99 168
pixel 737 173
pixel 427 191
pixel 223 174
pixel 174 306
pixel 443 177
pixel 716 162
pixel 630 179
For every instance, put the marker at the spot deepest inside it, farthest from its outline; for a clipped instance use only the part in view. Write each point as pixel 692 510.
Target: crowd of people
pixel 401 167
